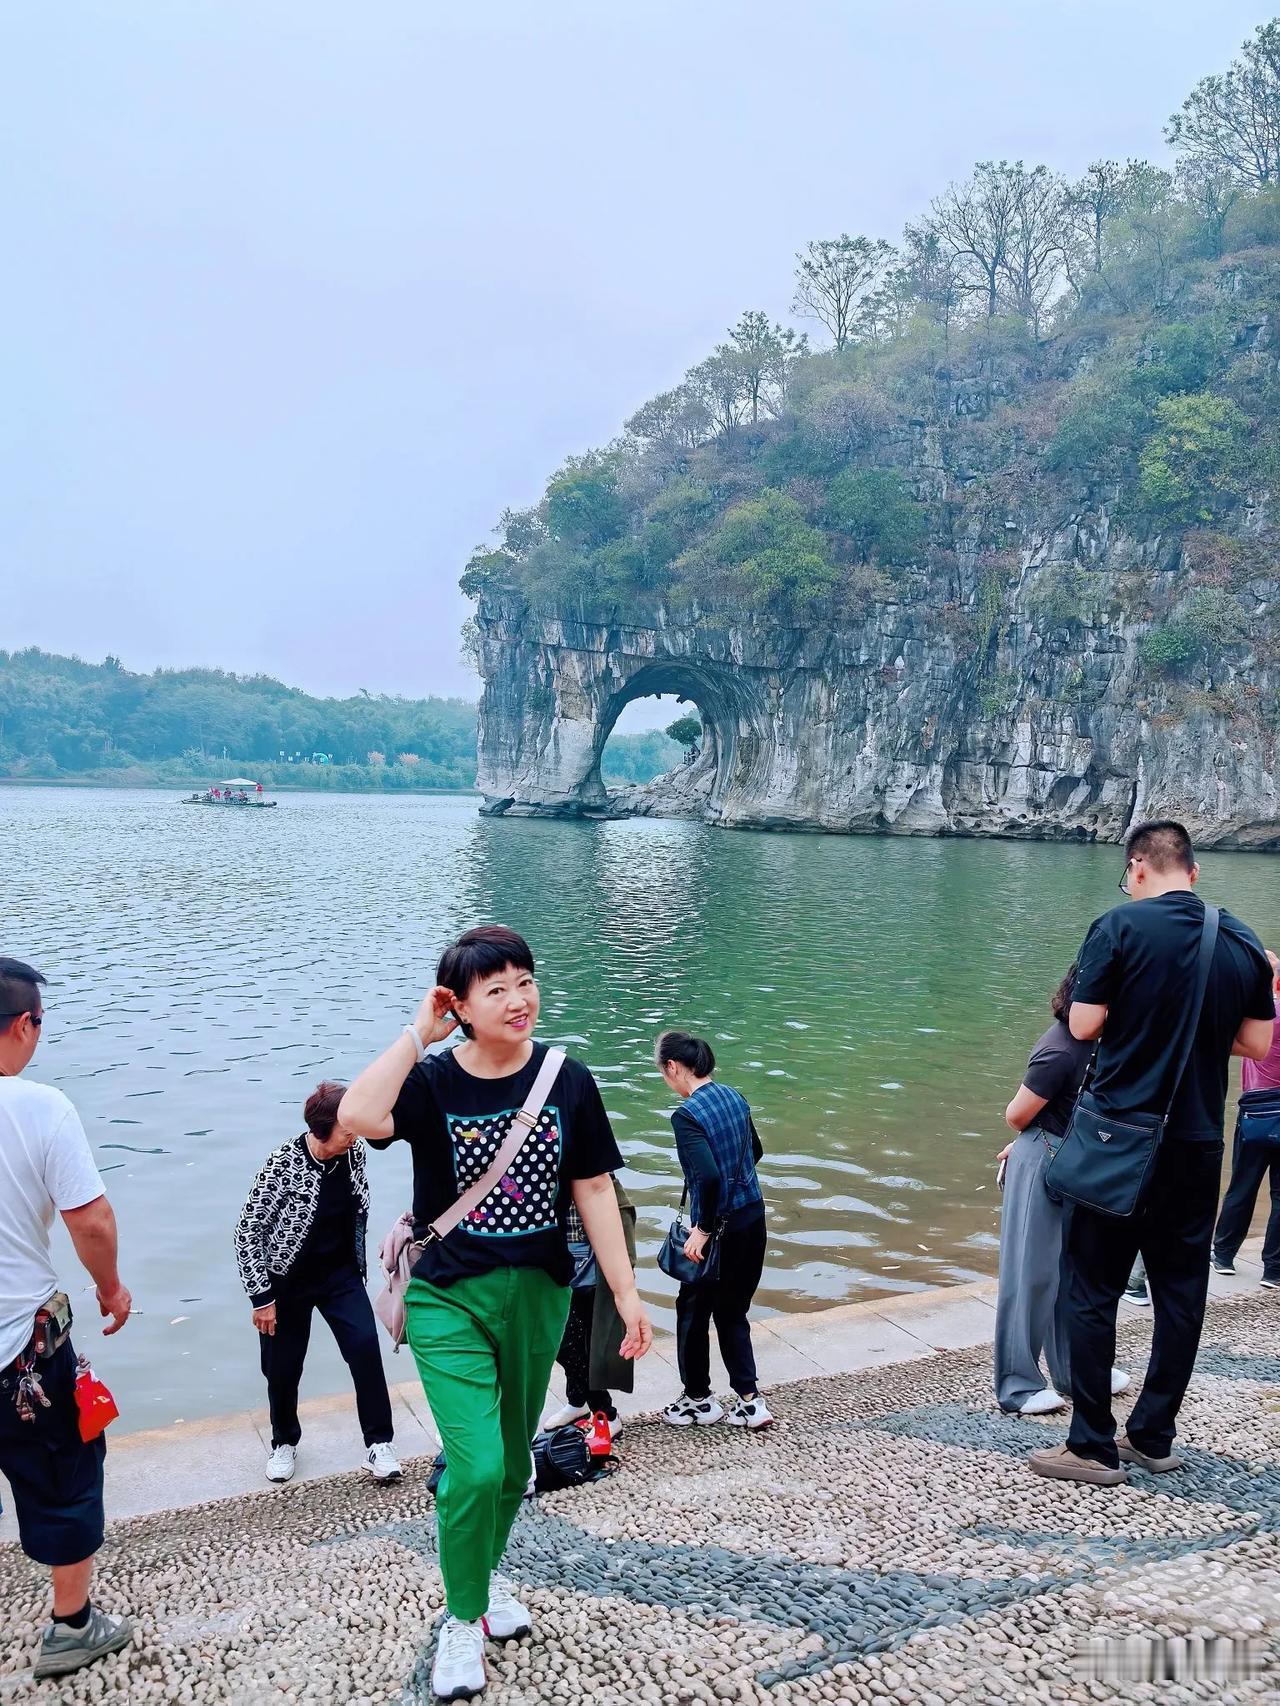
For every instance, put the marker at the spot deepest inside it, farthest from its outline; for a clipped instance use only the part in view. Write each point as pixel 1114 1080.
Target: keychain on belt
pixel 27 1391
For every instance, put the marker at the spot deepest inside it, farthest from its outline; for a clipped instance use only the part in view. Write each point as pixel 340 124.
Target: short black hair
pixel 687 1050
pixel 481 952
pixel 19 991
pixel 1164 844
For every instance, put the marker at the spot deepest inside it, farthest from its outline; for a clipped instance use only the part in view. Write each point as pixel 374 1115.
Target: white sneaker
pixel 382 1463
pixel 282 1463
pixel 689 1412
pixel 750 1413
pixel 566 1417
pixel 1043 1403
pixel 459 1671
pixel 506 1619
pixel 1120 1381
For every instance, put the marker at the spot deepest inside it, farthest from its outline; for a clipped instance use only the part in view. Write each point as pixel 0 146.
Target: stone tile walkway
pixel 883 1542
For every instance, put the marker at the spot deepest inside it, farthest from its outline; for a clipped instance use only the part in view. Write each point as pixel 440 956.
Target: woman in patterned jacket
pixel 300 1247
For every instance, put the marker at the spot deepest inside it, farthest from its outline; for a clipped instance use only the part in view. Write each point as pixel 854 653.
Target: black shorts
pixel 55 1477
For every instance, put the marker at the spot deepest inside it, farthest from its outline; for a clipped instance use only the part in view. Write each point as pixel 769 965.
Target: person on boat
pixel 486 1305
pixel 300 1247
pixel 718 1147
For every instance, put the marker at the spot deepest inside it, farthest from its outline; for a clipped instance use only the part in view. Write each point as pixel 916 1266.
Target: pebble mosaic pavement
pixel 883 1542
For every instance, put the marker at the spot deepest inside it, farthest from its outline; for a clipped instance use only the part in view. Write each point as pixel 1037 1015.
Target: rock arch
pixel 553 698
pixel 878 727
pixel 734 733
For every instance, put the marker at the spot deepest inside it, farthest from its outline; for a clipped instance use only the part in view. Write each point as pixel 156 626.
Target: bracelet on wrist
pixel 419 1049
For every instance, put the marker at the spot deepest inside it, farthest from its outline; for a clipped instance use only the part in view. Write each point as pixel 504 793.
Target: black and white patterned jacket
pixel 281 1208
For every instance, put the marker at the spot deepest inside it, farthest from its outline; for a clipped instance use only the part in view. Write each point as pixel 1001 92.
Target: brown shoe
pixel 1060 1463
pixel 1154 1465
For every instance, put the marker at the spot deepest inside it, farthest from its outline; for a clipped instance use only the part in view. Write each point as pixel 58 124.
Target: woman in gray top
pixel 1027 1322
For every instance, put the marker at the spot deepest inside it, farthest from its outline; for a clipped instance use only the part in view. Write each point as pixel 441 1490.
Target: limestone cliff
pixel 964 710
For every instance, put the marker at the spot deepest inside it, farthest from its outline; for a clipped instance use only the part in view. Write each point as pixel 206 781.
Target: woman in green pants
pixel 486 1306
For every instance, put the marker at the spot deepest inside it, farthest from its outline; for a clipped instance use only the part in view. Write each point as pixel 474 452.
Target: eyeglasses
pixel 1123 884
pixel 36 1019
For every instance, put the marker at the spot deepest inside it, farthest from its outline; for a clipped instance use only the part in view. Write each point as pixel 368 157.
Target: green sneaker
pixel 63 1650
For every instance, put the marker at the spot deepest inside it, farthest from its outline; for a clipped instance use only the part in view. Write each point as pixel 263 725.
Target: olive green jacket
pixel 608 1370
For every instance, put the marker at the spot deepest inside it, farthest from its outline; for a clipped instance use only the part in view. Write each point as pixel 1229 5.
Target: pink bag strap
pixel 522 1123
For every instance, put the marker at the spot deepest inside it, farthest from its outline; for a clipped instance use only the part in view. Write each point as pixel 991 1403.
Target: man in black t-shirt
pixel 1136 979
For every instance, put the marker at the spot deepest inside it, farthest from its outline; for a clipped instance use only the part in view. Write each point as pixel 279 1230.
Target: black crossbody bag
pixel 1105 1161
pixel 671 1257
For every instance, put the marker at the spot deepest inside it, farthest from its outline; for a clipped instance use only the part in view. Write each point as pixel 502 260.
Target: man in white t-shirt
pixel 55 1477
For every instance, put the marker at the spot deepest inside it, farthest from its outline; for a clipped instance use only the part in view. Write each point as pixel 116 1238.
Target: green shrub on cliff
pixel 766 548
pixel 874 510
pixel 1209 621
pixel 1196 461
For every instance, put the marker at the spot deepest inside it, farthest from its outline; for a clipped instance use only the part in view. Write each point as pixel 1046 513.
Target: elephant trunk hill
pixel 882 727
pixel 1031 592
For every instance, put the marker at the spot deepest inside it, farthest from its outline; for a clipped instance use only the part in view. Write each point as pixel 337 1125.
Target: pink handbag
pixel 401 1250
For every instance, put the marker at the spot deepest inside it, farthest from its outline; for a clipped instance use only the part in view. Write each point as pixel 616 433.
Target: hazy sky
pixel 297 296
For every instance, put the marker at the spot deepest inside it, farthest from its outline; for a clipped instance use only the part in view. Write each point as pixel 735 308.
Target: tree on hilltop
pixel 1231 122
pixel 833 276
pixel 764 356
pixel 1005 229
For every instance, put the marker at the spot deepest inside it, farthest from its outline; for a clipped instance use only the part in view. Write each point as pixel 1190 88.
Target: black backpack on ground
pixel 560 1459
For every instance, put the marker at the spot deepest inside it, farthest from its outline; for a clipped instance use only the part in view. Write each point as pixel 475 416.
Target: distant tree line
pixel 62 717
pixel 1031 341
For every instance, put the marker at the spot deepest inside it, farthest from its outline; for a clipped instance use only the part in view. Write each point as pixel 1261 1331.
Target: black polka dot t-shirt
pixel 454 1123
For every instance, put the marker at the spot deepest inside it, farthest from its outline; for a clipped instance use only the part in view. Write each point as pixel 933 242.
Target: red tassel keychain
pixel 96 1405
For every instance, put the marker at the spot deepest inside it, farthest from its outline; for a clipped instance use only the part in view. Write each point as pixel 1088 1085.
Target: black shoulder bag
pixel 671 1257
pixel 1104 1161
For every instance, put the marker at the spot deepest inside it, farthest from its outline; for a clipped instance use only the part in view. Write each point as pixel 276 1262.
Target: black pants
pixel 1173 1231
pixel 724 1300
pixel 1249 1165
pixel 574 1355
pixel 56 1479
pixel 344 1304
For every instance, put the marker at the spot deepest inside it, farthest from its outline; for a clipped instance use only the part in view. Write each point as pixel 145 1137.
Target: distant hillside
pixel 63 719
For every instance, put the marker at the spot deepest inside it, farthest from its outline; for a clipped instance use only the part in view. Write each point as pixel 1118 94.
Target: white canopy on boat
pixel 238 782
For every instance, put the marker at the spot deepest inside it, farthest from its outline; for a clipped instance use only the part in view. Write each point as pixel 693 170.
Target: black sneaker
pixel 1223 1265
pixel 63 1650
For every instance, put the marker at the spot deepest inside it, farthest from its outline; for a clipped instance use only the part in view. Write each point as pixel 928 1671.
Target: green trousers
pixel 485 1347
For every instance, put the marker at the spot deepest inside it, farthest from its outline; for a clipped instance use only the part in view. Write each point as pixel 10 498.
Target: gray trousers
pixel 1027 1321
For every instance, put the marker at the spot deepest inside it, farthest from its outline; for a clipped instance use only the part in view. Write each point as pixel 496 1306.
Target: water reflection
pixel 875 1000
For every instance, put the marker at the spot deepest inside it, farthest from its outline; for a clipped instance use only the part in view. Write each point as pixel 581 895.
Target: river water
pixel 873 998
